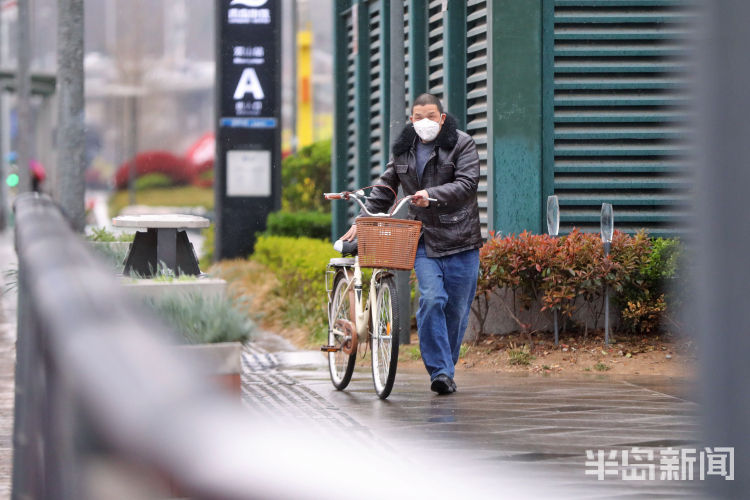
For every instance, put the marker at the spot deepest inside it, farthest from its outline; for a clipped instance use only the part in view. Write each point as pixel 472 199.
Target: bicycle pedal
pixel 329 348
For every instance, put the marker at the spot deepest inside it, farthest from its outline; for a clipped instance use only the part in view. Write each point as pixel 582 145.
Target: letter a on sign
pixel 249 84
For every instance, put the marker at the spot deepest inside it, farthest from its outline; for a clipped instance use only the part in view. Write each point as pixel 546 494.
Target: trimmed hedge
pixel 153 181
pixel 299 264
pixel 299 224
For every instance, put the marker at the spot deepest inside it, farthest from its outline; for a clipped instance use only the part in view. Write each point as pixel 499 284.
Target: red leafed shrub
pixel 567 273
pixel 520 264
pixel 203 174
pixel 179 170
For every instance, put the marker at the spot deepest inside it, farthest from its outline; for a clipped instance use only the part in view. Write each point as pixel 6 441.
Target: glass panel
pixel 607 222
pixel 553 215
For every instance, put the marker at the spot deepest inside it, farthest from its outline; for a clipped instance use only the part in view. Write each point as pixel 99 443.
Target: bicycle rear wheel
pixel 385 337
pixel 340 364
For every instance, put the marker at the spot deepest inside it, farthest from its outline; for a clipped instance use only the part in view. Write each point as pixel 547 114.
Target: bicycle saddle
pixel 346 247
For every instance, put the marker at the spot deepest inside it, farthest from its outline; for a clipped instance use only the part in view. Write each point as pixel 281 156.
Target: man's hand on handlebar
pixel 350 234
pixel 420 199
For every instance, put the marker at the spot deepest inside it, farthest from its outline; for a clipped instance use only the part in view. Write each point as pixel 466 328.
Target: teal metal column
pixel 454 57
pixel 548 104
pixel 516 114
pixel 361 26
pixel 417 49
pixel 385 78
pixel 394 87
pixel 338 151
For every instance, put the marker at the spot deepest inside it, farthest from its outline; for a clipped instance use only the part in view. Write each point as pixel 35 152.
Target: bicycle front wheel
pixel 341 364
pixel 385 337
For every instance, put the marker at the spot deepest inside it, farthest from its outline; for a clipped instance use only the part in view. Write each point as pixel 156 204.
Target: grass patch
pixel 10 280
pixel 209 235
pixel 601 367
pixel 413 353
pixel 463 350
pixel 520 356
pixel 101 235
pixel 254 288
pixel 180 196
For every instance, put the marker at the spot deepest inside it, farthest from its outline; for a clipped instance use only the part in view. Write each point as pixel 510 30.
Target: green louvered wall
pixel 614 94
pixel 435 31
pixel 351 122
pixel 621 113
pixel 476 94
pixel 407 57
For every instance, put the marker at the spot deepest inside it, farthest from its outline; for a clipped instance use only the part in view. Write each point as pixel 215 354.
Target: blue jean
pixel 446 291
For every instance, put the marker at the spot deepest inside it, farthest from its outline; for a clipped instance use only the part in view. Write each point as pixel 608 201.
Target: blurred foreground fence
pixel 106 409
pixel 100 396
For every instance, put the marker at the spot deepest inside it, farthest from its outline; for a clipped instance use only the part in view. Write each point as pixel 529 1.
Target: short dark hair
pixel 425 99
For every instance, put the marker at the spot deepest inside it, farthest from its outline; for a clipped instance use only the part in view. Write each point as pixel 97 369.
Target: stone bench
pixel 164 241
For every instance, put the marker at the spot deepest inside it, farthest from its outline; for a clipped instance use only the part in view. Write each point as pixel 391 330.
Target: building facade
pixel 584 99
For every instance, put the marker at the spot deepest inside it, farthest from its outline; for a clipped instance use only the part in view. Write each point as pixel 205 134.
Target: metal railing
pixel 105 408
pixel 97 381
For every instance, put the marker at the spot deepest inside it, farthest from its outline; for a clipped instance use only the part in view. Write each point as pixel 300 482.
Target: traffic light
pixel 12 180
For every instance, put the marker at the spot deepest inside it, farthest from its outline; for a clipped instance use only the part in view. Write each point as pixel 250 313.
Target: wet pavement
pixel 8 306
pixel 497 425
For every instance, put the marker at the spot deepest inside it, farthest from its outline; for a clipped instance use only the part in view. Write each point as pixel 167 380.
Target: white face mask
pixel 426 129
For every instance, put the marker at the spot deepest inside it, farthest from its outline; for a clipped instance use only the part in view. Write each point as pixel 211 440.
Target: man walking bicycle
pixel 433 159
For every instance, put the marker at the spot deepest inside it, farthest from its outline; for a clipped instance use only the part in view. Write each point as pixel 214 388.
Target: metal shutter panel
pixel 476 94
pixel 435 48
pixel 620 113
pixel 351 126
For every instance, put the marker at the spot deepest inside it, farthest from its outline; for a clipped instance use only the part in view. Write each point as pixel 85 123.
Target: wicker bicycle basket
pixel 389 243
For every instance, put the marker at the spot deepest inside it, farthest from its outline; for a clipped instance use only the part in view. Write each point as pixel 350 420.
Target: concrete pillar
pixel 23 96
pixel 71 163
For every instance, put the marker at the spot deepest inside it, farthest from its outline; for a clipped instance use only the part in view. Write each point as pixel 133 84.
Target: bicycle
pixel 384 244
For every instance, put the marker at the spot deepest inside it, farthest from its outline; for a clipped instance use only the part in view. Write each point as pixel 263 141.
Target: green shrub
pixel 299 224
pixel 646 298
pixel 203 320
pixel 305 176
pixel 299 264
pixel 151 181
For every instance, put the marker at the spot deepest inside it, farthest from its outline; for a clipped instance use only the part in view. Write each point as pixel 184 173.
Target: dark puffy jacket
pixel 451 175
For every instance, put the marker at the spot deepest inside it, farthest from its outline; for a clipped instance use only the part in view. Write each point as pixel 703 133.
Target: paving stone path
pixel 270 392
pixel 7 361
pixel 531 425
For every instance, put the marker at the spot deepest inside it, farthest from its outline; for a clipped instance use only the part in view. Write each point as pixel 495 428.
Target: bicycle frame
pixel 361 310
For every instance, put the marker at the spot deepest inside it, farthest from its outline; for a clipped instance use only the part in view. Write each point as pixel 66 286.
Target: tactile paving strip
pixel 271 393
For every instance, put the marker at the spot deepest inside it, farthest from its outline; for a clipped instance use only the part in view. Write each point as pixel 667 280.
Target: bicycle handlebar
pixel 345 195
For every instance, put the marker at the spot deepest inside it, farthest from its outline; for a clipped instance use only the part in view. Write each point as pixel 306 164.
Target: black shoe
pixel 443 384
pixel 453 385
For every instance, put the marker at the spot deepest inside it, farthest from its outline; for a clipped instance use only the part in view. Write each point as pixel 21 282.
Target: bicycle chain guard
pixel 346 326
